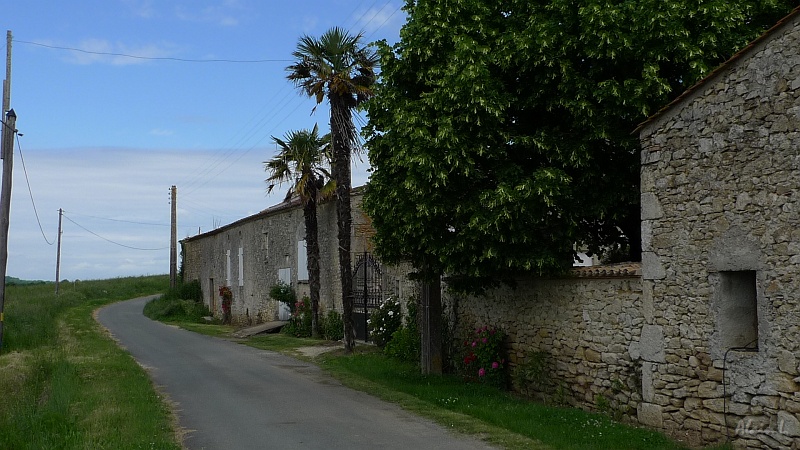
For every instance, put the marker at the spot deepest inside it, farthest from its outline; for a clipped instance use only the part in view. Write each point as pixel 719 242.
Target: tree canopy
pixel 500 133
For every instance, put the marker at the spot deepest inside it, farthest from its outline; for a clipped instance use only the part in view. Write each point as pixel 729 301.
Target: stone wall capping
pixel 620 270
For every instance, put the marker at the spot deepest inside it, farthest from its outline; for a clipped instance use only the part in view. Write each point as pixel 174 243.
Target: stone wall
pixel 587 326
pixel 721 245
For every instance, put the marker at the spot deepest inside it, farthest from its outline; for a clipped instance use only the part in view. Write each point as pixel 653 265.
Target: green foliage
pixel 501 132
pixel 284 293
pixel 533 376
pixel 300 322
pixel 483 358
pixel 384 321
pixel 332 326
pixel 405 342
pixel 182 303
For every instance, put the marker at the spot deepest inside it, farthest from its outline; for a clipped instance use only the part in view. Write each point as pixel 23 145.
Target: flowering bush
pixel 384 321
pixel 483 359
pixel 300 321
pixel 405 342
pixel 227 298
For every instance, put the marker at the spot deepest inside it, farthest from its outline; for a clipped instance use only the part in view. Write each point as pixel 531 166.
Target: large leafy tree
pixel 302 162
pixel 500 133
pixel 338 67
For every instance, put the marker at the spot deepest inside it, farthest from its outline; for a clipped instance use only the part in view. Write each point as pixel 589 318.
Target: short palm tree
pixel 301 161
pixel 338 67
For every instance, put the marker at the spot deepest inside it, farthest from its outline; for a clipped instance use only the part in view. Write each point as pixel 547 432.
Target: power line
pixel 121 220
pixel 153 58
pixel 113 242
pixel 30 192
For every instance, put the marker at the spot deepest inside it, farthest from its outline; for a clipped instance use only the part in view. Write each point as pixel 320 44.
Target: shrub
pixel 191 291
pixel 282 292
pixel 405 342
pixel 300 322
pixel 532 377
pixel 333 326
pixel 483 359
pixel 384 321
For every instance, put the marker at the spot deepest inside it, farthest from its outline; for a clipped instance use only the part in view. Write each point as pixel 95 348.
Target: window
pixel 737 312
pixel 227 267
pixel 241 266
pixel 302 261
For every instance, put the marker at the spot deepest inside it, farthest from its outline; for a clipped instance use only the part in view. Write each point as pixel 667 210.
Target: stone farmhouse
pixel 701 340
pixel 254 253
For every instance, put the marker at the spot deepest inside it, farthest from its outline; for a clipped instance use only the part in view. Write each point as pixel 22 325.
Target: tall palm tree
pixel 337 66
pixel 301 161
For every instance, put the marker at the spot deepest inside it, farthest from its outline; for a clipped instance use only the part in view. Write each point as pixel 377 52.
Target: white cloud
pixel 122 195
pixel 161 132
pixel 226 13
pixel 141 8
pixel 101 51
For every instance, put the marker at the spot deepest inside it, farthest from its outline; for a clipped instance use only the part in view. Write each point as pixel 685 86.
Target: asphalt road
pixel 230 396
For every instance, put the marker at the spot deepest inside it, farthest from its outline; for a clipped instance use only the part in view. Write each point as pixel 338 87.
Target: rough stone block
pixel 788 424
pixel 709 389
pixel 652 268
pixel 650 415
pixel 651 206
pixel 787 362
pixel 651 343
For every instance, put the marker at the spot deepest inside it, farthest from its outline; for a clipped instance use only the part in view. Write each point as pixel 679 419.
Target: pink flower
pixel 474 344
pixel 481 372
pixel 495 365
pixel 485 340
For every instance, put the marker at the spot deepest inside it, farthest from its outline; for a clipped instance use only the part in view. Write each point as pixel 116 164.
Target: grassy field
pixel 64 384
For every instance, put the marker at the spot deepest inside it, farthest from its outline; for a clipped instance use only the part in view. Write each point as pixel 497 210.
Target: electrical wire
pixel 30 192
pixel 113 242
pixel 120 220
pixel 154 58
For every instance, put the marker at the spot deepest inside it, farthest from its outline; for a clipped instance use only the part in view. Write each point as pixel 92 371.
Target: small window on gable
pixel 737 315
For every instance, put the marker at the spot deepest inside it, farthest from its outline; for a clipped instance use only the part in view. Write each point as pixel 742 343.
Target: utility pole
pixel 7 152
pixel 173 242
pixel 58 252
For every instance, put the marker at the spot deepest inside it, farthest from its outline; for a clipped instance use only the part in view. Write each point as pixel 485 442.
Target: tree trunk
pixel 341 123
pixel 312 252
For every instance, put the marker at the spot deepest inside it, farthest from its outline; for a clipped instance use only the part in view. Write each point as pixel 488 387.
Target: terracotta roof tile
pixel 627 269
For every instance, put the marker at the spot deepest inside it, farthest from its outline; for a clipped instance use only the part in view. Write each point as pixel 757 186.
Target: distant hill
pixel 11 281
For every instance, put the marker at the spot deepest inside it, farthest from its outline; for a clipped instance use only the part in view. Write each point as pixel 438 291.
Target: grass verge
pixel 64 384
pixel 499 417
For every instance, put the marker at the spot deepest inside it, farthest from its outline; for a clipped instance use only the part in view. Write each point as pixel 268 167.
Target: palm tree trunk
pixel 312 251
pixel 341 122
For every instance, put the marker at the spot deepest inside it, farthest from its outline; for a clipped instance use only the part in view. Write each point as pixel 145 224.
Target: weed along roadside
pixel 472 401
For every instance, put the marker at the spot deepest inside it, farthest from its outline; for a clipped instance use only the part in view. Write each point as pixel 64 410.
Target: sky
pixel 118 100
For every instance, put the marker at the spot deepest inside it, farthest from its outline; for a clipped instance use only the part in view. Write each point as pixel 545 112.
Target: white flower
pixel 391 313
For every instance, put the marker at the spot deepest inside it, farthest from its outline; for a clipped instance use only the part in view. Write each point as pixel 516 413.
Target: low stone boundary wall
pixel 580 334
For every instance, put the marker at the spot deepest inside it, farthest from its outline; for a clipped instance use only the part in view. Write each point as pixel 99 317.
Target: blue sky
pixel 105 135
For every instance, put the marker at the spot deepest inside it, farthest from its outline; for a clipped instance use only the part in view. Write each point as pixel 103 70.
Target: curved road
pixel 230 396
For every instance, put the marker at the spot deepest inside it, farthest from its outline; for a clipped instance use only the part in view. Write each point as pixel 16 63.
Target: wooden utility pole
pixel 173 242
pixel 58 252
pixel 7 152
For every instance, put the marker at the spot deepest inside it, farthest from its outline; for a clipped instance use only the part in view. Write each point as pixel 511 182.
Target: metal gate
pixel 367 291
